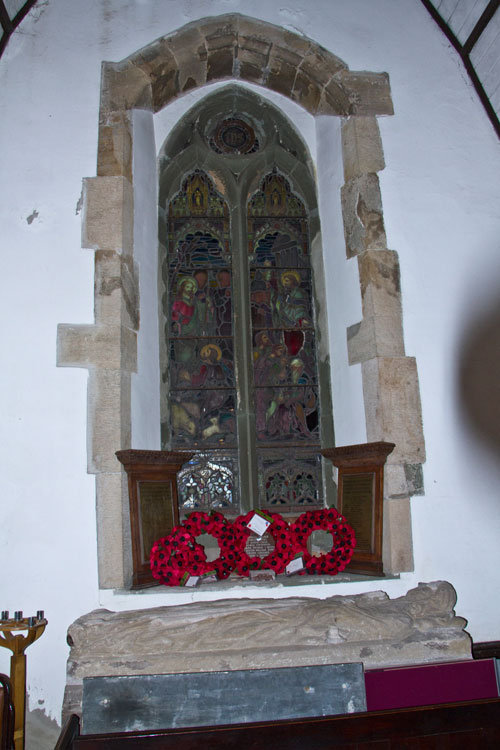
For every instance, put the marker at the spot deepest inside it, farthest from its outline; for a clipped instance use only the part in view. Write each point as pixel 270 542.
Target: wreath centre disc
pixel 210 546
pixel 259 546
pixel 320 542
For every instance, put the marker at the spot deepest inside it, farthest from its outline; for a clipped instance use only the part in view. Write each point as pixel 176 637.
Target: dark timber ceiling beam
pixel 480 26
pixel 464 51
pixel 10 24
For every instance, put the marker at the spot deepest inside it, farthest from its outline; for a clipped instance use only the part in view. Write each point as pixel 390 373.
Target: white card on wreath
pixel 190 580
pixel 258 524
pixel 295 565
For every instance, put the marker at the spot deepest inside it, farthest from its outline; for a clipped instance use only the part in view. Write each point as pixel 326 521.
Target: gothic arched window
pixel 241 380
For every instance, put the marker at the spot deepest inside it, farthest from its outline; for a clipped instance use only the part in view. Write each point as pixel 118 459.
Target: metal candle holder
pixel 18 643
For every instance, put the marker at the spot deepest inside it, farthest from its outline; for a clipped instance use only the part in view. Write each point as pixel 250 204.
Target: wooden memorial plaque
pixel 360 499
pixel 152 489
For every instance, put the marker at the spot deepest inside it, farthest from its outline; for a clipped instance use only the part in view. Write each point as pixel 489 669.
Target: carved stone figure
pixel 256 633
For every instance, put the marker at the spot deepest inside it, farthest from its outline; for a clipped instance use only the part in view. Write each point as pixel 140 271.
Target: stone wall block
pixel 281 73
pixel 276 35
pixel 306 91
pixel 221 30
pixel 110 347
pixel 395 484
pixel 221 64
pixel 112 490
pixel 363 217
pixel 253 57
pixel 157 61
pixel 321 65
pixel 109 418
pixel 190 54
pixel 221 41
pixel 415 479
pixel 279 54
pixel 114 150
pixel 380 282
pixel 375 336
pixel 392 406
pixel 361 147
pixel 108 222
pixel 397 553
pixel 334 100
pixel 116 289
pixel 361 341
pixel 369 93
pixel 124 86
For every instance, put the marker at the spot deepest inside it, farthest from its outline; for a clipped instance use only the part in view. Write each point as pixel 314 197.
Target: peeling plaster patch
pixel 38 10
pixel 30 219
pixel 79 204
pixel 296 19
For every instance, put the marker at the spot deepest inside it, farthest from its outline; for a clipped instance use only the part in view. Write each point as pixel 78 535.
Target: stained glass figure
pixel 201 357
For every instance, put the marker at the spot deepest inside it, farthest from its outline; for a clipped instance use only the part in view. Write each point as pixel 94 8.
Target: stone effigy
pixel 232 634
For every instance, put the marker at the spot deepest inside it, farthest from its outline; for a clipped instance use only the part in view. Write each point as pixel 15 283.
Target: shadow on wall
pixel 479 377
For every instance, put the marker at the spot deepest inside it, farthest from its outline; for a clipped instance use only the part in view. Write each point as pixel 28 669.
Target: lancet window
pixel 285 382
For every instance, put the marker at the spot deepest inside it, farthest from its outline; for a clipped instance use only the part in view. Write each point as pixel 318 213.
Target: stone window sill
pixel 234 583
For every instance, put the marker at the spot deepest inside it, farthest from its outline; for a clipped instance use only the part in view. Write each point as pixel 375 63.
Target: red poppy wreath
pixel 175 557
pixel 216 525
pixel 344 541
pixel 276 560
pixel 178 554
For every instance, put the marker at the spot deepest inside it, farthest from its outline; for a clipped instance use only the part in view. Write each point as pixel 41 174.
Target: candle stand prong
pixel 17 642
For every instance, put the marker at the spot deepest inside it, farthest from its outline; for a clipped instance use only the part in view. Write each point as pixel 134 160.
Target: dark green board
pixel 144 702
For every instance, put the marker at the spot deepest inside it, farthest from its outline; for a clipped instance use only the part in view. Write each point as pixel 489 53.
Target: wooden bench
pixel 472 725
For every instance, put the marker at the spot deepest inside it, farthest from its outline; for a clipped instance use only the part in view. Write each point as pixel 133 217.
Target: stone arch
pixel 239 48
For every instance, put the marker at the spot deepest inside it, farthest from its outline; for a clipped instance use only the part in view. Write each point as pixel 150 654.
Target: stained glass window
pixel 243 387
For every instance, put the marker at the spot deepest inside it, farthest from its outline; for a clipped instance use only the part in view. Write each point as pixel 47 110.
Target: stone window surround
pixel 235 47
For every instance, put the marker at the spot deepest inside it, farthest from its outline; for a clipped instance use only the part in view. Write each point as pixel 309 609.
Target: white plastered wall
pixel 440 194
